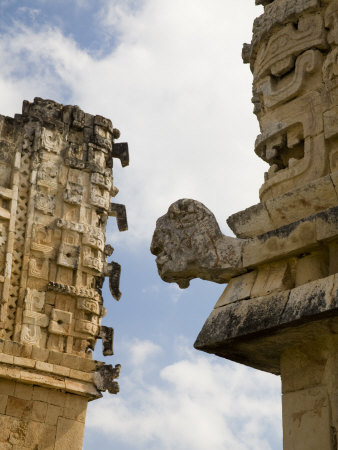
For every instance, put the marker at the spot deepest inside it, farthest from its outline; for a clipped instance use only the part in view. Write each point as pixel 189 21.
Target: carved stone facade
pixel 279 310
pixel 56 185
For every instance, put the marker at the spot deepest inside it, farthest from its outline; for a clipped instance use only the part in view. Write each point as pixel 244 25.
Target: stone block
pixel 60 323
pixel 44 367
pixel 271 278
pixel 40 435
pixel 238 288
pixel 18 407
pixel 40 354
pixel 71 361
pixel 251 222
pixel 7 359
pixel 87 365
pixel 75 407
pixel 53 414
pixel 5 428
pixel 60 370
pixel 278 244
pixel 56 398
pixel 24 391
pixel 26 350
pixel 55 357
pixel 12 348
pixel 303 367
pixel 306 420
pixel 40 393
pixel 302 202
pixel 311 267
pixel 24 362
pixel 69 434
pixel 7 387
pixel 3 403
pixel 309 300
pixel 327 224
pixel 79 375
pixel 39 411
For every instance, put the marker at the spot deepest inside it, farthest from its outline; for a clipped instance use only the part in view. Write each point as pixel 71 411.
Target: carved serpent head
pixel 184 242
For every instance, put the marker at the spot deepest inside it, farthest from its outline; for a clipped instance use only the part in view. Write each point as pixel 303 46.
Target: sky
pixel 169 74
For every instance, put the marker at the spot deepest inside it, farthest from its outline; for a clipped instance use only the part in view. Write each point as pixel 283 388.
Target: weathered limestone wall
pixel 56 185
pixel 279 309
pixel 36 417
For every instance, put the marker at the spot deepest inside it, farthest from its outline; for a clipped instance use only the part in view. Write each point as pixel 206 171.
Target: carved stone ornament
pixel 189 244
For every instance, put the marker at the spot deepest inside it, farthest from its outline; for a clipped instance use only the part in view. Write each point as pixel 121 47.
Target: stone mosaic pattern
pixel 56 185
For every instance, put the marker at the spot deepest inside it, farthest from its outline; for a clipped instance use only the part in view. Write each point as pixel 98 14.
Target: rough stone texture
pixel 56 185
pixel 279 311
pixel 40 418
pixel 189 244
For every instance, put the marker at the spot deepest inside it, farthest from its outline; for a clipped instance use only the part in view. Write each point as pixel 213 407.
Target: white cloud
pixel 199 402
pixel 142 350
pixel 175 86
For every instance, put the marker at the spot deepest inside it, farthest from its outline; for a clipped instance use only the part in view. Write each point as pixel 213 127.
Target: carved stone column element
pixel 56 185
pixel 279 309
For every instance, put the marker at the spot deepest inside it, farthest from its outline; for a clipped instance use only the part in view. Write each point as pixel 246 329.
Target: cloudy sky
pixel 169 74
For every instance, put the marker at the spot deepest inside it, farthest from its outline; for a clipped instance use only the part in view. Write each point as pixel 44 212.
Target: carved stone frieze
pixel 50 141
pixel 73 193
pixel 60 322
pixel 33 319
pixel 99 197
pixel 278 55
pixel 56 185
pixel 45 203
pixel 68 255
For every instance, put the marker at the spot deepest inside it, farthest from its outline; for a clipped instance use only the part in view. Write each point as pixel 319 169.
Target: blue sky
pixel 169 74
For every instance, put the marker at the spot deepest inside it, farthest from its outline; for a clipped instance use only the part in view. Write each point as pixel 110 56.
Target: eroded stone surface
pixel 189 244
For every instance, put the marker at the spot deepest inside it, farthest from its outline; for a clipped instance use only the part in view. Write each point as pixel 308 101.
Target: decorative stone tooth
pixel 114 280
pixel 119 211
pixel 121 152
pixel 107 336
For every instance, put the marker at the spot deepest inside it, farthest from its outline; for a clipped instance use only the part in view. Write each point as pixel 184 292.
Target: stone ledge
pixel 49 380
pixel 291 239
pixel 285 209
pixel 46 374
pixel 30 352
pixel 256 331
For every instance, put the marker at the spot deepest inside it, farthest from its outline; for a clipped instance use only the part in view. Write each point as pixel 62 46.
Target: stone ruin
pixel 279 309
pixel 56 186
